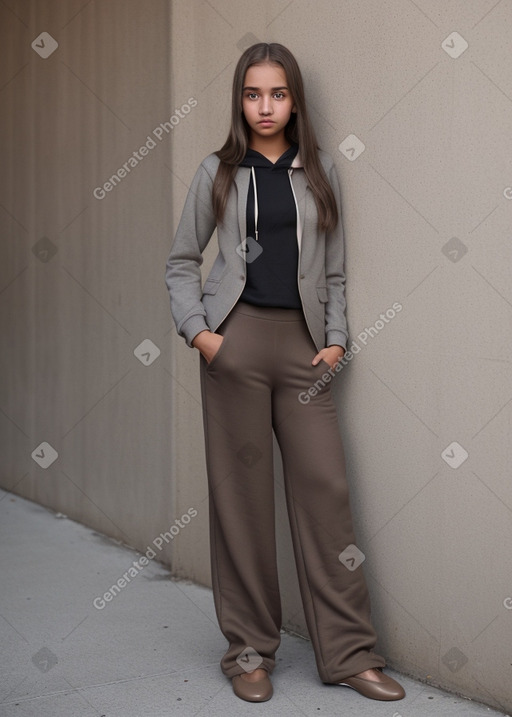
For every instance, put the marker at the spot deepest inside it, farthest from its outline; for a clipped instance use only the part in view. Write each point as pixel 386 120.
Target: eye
pixel 281 95
pixel 251 95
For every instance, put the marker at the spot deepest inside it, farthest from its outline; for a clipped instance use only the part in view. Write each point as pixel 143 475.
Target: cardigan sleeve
pixel 183 272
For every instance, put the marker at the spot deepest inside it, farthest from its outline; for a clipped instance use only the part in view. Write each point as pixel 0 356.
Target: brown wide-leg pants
pixel 256 383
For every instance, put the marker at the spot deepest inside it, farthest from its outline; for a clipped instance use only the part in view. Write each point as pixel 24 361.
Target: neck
pixel 270 147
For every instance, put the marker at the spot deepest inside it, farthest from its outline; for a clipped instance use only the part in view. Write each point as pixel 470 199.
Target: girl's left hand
pixel 331 355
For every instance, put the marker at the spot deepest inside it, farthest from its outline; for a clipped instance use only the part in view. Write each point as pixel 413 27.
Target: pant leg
pixel 335 598
pixel 238 436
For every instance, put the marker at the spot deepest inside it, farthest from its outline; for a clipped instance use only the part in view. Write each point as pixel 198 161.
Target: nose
pixel 265 106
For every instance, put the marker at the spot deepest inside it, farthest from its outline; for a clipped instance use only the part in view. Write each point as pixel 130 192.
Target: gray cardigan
pixel 321 277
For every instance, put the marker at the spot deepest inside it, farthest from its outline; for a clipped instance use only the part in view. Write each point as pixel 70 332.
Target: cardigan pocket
pixel 211 286
pixel 322 294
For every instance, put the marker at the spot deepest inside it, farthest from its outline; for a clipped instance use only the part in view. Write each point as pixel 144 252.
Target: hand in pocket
pixel 208 343
pixel 218 345
pixel 330 356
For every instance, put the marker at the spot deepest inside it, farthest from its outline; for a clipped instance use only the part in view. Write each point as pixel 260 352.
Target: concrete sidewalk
pixel 153 650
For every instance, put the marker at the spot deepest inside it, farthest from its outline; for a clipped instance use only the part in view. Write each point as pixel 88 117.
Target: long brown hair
pixel 298 129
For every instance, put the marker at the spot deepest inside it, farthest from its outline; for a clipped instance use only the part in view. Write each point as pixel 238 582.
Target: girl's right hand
pixel 208 343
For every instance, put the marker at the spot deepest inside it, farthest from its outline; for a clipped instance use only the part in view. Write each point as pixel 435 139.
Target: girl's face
pixel 267 102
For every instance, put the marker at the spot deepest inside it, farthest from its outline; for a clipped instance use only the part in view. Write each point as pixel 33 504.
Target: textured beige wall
pixel 427 220
pixel 81 277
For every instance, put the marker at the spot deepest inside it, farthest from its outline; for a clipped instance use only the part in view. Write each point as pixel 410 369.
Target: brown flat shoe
pixel 389 689
pixel 259 691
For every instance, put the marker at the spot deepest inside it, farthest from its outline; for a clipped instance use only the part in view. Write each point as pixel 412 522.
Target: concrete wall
pixel 425 403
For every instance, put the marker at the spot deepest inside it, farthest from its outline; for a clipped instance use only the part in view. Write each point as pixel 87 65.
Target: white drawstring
pixel 255 203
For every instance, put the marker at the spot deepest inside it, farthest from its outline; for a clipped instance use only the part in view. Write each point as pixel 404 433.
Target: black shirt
pixel 272 274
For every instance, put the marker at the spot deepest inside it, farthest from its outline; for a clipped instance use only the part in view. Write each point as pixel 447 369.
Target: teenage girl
pixel 269 323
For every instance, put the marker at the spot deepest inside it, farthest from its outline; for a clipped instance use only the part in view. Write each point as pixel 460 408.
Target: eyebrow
pixel 258 88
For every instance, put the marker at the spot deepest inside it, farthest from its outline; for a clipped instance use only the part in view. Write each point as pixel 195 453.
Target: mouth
pixel 266 121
